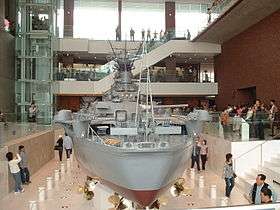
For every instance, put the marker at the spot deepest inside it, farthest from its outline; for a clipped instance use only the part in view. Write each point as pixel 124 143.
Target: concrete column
pixel 170 10
pixel 2 15
pixel 170 64
pixel 120 17
pixel 68 18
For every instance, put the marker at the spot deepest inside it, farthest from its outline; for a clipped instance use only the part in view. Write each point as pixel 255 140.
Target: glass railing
pixel 244 128
pixel 13 130
pixel 220 8
pixel 155 42
pixel 85 74
pixel 163 77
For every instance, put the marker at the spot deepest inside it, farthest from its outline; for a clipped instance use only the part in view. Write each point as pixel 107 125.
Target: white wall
pixel 180 88
pixel 261 151
pixel 158 89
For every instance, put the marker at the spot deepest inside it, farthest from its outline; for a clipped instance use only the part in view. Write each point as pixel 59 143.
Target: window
pixel 95 19
pixel 192 17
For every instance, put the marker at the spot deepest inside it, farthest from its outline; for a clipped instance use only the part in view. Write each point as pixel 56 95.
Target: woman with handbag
pixel 59 146
pixel 228 174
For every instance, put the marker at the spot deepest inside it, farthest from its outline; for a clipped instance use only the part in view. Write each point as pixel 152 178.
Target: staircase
pixel 174 46
pixel 272 171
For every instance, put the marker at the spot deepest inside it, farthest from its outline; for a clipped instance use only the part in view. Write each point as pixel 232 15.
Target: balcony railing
pixel 243 128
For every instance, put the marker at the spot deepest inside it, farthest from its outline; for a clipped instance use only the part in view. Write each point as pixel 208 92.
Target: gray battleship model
pixel 137 148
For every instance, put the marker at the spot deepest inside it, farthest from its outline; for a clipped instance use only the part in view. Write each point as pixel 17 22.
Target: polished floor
pixel 65 194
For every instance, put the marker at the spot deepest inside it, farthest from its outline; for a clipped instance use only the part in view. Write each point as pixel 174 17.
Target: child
pixel 25 175
pixel 15 171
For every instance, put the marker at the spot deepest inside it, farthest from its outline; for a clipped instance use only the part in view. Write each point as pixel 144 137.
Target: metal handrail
pixel 93 131
pixel 250 150
pixel 247 152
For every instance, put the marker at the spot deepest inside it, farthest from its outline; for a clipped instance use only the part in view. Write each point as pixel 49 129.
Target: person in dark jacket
pixel 255 191
pixel 59 146
pixel 196 155
pixel 23 164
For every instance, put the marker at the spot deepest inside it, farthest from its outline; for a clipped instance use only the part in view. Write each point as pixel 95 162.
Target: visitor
pixel 266 195
pixel 32 112
pixel 68 145
pixel 59 146
pixel 161 35
pixel 249 120
pixel 228 174
pixel 148 35
pixel 155 35
pixel 209 15
pixel 196 155
pixel 188 34
pixel 15 171
pixel 224 118
pixel 132 32
pixel 23 164
pixel 143 34
pixel 118 33
pixel 272 112
pixel 203 153
pixel 258 119
pixel 258 186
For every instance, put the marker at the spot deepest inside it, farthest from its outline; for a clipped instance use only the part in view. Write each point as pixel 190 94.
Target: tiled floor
pixel 65 194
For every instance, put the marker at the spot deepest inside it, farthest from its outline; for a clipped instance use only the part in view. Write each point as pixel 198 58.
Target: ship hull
pixel 140 176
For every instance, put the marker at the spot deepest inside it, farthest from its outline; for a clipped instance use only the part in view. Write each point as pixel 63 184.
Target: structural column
pixel 120 17
pixel 170 23
pixel 2 14
pixel 68 18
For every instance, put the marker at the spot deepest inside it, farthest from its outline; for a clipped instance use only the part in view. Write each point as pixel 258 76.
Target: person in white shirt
pixel 68 145
pixel 15 171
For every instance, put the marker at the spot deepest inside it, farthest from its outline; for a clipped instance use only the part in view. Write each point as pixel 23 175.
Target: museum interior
pixel 139 104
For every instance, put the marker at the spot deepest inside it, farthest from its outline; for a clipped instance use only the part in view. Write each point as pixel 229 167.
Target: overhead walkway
pixel 151 58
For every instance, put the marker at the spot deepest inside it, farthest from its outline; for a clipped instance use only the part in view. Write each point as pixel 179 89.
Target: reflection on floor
pixel 65 194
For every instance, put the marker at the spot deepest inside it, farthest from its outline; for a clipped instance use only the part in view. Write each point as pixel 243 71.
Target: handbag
pixel 56 147
pixel 234 175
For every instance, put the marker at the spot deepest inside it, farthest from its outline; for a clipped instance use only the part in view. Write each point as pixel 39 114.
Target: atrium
pixel 139 104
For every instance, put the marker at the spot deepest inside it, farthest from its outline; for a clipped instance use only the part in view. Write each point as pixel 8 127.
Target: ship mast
pixel 148 106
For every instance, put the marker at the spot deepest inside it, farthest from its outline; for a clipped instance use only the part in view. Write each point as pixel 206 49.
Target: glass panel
pixel 60 19
pixel 195 8
pixel 190 17
pixel 95 19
